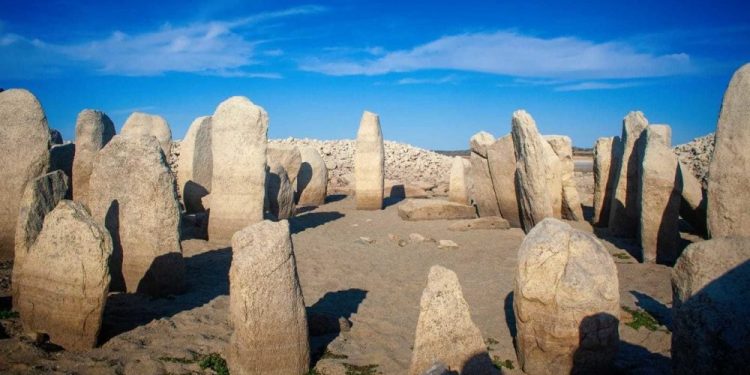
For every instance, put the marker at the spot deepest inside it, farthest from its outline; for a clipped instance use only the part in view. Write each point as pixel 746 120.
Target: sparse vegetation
pixel 361 370
pixel 640 319
pixel 7 314
pixel 499 364
pixel 623 256
pixel 214 362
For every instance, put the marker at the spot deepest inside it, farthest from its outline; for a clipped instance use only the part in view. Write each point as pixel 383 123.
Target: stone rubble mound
pixel 696 155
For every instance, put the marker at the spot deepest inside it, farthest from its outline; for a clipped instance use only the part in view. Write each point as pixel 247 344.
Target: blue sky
pixel 436 72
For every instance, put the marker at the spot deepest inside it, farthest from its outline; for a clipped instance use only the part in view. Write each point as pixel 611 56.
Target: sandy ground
pixel 376 286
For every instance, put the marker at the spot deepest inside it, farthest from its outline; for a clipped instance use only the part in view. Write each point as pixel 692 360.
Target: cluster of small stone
pixel 696 155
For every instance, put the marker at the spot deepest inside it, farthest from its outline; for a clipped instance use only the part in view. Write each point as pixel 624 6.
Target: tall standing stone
pixel 288 157
pixel 693 205
pixel 531 171
pixel 131 192
pixel 238 142
pixel 566 302
pixel 571 202
pixel 369 163
pixel 729 172
pixel 279 193
pixel 501 156
pixel 659 194
pixel 605 161
pixel 61 157
pixel 710 329
pixel 445 331
pixel 458 188
pixel 24 141
pixel 65 278
pixel 139 124
pixel 194 171
pixel 482 192
pixel 39 198
pixel 94 130
pixel 312 179
pixel 623 213
pixel 266 306
pixel 662 132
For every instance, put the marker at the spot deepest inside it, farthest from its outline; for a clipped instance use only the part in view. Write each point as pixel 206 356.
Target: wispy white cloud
pixel 515 54
pixel 596 85
pixel 428 81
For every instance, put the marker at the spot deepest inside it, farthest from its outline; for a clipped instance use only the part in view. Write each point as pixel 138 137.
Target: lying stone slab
pixel 482 223
pixel 432 209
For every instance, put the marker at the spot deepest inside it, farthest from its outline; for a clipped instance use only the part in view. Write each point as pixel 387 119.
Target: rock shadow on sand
pixel 310 220
pixel 324 317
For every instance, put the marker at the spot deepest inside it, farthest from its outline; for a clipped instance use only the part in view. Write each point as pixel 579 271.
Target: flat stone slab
pixel 430 209
pixel 489 222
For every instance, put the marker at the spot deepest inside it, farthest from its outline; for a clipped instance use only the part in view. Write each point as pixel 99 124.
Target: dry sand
pixel 374 282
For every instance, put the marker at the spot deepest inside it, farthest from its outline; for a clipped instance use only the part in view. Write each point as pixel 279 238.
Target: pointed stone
pixel 24 141
pixel 458 190
pixel 94 130
pixel 312 179
pixel 140 124
pixel 571 203
pixel 501 156
pixel 238 144
pixel 623 214
pixel 445 331
pixel 606 156
pixel 369 163
pixel 195 169
pixel 266 306
pixel 279 193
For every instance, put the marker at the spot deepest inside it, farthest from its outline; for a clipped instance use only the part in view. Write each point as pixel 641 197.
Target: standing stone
pixel 623 212
pixel 369 163
pixel 61 158
pixel 662 132
pixel 94 130
pixel 710 329
pixel 605 161
pixel 445 331
pixel 65 278
pixel 501 156
pixel 729 172
pixel 659 194
pixel 312 179
pixel 571 202
pixel 481 191
pixel 288 157
pixel 566 302
pixel 458 190
pixel 266 307
pixel 693 205
pixel 24 141
pixel 279 193
pixel 131 192
pixel 238 143
pixel 39 198
pixel 194 171
pixel 531 171
pixel 139 124
pixel 480 141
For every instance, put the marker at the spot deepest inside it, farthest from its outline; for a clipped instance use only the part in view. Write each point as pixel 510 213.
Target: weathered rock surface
pixel 64 279
pixel 41 196
pixel 623 214
pixel 659 194
pixel 433 209
pixel 61 157
pixel 710 329
pixel 266 307
pixel 501 156
pixel 195 170
pixel 605 162
pixel 458 191
pixel 479 143
pixel 94 130
pixel 369 163
pixel 566 302
pixel 238 144
pixel 279 193
pixel 489 222
pixel 395 189
pixel 312 178
pixel 693 205
pixel 140 124
pixel 571 203
pixel 132 193
pixel 696 156
pixel 24 141
pixel 288 157
pixel 728 206
pixel 445 332
pixel 531 171
pixel 481 191
pixel 662 132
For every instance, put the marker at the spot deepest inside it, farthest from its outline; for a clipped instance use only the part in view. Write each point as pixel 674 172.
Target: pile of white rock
pixel 696 155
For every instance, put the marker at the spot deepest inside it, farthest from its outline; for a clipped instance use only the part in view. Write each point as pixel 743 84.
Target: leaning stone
pixel 693 205
pixel 605 160
pixel 279 193
pixel 659 194
pixel 623 214
pixel 195 170
pixel 502 162
pixel 39 198
pixel 445 331
pixel 481 191
pixel 729 172
pixel 369 163
pixel 433 209
pixel 238 145
pixel 312 178
pixel 571 202
pixel 288 157
pixel 266 307
pixel 61 158
pixel 458 192
pixel 489 222
pixel 93 131
pixel 710 329
pixel 24 141
pixel 65 278
pixel 566 302
pixel 479 143
pixel 140 124
pixel 132 193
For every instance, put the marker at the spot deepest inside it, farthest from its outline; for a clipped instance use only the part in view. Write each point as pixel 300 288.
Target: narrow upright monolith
pixel 369 163
pixel 194 172
pixel 94 130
